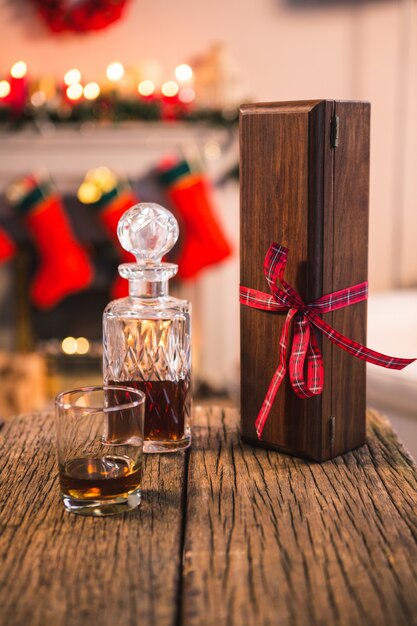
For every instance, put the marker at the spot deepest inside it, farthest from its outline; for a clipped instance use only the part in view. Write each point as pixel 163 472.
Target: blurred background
pixel 107 102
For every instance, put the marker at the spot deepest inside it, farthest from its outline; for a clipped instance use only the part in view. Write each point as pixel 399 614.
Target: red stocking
pixel 114 199
pixel 204 242
pixel 110 216
pixel 64 267
pixel 7 247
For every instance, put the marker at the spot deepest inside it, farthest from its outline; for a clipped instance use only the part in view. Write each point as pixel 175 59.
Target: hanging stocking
pixel 64 267
pixel 111 198
pixel 203 242
pixel 7 247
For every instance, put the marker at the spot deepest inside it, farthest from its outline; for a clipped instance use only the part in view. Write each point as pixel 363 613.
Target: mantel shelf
pixel 65 152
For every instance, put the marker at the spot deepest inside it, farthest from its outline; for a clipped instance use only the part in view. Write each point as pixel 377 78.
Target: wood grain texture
pixel 274 158
pixel 300 191
pixel 272 539
pixel 345 263
pixel 61 569
pixel 268 539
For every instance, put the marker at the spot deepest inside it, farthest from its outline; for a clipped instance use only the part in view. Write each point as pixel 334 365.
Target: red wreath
pixel 79 15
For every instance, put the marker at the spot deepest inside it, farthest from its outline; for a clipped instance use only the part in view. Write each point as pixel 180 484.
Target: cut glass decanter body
pixel 147 336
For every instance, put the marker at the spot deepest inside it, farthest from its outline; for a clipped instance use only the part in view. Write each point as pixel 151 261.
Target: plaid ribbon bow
pixel 305 350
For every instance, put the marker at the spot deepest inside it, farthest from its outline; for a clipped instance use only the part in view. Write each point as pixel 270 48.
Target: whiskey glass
pixel 100 448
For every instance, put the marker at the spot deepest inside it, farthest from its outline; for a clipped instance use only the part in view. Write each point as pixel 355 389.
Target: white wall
pixel 360 52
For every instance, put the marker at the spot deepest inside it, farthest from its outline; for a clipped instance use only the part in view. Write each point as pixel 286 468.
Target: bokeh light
pixel 88 193
pixel 75 91
pixel 91 91
pixel 72 76
pixel 69 345
pixel 4 88
pixel 115 71
pixel 186 95
pixel 183 72
pixel 170 89
pixel 83 345
pixel 146 88
pixel 19 69
pixel 38 98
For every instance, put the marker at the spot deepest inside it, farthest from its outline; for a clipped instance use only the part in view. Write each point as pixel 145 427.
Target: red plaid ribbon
pixel 306 362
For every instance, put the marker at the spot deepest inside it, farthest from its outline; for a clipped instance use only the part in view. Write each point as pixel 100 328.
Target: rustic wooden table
pixel 226 534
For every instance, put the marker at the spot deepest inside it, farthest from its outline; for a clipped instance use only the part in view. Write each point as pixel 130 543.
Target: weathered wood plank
pixel 61 569
pixel 272 539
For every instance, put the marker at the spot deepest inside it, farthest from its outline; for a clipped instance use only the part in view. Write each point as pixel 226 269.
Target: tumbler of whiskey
pixel 100 448
pixel 147 336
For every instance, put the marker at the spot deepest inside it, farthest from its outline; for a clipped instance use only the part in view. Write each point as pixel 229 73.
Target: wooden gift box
pixel 304 170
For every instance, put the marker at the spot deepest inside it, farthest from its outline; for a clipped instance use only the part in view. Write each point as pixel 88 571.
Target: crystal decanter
pixel 147 336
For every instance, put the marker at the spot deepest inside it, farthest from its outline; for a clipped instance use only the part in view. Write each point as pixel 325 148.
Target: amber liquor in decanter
pixel 147 336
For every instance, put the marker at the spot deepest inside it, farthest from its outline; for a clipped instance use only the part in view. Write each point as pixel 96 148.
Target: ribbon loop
pixel 305 356
pixel 305 364
pixel 340 299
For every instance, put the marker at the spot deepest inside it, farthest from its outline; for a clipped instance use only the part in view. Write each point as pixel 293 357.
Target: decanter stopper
pixel 148 231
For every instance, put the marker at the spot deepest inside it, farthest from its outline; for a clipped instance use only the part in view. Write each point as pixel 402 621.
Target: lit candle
pixel 4 91
pixel 146 89
pixel 74 92
pixel 91 91
pixel 186 96
pixel 18 86
pixel 170 89
pixel 170 100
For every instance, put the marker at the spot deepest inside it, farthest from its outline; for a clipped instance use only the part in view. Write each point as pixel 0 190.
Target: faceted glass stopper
pixel 148 231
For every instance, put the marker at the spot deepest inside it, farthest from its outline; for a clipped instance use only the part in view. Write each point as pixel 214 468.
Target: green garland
pixel 115 109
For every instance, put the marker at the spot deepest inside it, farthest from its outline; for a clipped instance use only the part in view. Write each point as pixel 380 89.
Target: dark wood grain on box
pixel 299 190
pixel 320 214
pixel 349 267
pixel 270 157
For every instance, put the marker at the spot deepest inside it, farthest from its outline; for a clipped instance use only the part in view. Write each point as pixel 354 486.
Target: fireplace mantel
pixel 66 152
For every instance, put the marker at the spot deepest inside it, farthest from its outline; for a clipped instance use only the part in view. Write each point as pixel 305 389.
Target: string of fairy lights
pixel 121 94
pixel 115 71
pixel 146 88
